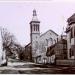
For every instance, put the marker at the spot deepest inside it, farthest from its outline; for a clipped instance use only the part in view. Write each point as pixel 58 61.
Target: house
pixel 28 53
pixel 58 50
pixel 70 31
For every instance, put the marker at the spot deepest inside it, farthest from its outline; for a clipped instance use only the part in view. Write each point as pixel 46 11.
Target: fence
pixel 65 62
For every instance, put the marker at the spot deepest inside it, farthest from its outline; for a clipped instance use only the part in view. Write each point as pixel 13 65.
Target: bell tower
pixel 34 33
pixel 34 24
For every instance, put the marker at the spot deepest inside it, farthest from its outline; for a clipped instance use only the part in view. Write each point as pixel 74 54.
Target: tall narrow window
pixel 71 33
pixel 31 28
pixel 34 28
pixel 51 41
pixel 71 52
pixel 38 27
pixel 74 32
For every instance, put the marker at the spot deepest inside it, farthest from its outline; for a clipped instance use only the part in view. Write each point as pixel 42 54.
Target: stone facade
pixel 39 43
pixel 47 39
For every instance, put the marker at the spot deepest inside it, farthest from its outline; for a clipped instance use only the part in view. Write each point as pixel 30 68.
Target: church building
pixel 39 43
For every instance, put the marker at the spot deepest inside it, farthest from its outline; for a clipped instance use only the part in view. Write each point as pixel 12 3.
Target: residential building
pixel 58 51
pixel 28 53
pixel 70 30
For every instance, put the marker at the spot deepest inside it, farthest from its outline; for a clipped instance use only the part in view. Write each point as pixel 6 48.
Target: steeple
pixel 34 33
pixel 34 13
pixel 35 23
pixel 34 18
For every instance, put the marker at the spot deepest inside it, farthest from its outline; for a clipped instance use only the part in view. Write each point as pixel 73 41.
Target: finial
pixel 34 13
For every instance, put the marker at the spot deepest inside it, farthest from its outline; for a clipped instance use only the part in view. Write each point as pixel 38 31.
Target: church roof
pixel 71 19
pixel 34 18
pixel 29 44
pixel 50 31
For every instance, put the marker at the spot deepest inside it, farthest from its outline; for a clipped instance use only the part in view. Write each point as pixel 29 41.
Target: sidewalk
pixel 45 65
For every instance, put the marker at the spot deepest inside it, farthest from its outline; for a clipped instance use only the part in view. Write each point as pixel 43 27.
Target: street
pixel 32 68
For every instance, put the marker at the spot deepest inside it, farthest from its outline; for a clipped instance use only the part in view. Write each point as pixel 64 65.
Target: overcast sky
pixel 15 16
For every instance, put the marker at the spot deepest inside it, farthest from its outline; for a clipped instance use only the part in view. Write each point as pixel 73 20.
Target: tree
pixel 9 42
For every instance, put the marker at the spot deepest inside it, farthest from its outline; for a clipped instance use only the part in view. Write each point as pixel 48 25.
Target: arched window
pixel 51 41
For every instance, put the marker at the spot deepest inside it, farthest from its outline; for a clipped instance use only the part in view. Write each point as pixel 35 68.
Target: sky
pixel 53 14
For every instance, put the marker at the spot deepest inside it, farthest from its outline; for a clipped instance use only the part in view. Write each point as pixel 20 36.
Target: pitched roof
pixel 50 49
pixel 71 19
pixel 48 31
pixel 29 44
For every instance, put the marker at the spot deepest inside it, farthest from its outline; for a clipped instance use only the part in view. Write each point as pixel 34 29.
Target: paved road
pixel 32 68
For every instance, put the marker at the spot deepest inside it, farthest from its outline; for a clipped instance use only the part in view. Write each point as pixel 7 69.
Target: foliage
pixel 10 43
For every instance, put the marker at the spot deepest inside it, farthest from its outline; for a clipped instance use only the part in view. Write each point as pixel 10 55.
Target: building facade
pixel 28 53
pixel 39 43
pixel 58 50
pixel 70 30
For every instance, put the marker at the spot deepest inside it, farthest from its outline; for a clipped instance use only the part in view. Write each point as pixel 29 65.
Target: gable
pixel 49 34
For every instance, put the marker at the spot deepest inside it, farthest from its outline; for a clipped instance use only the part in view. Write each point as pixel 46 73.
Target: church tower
pixel 34 34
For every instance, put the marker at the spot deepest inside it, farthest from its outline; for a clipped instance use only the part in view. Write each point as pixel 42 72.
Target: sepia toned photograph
pixel 37 37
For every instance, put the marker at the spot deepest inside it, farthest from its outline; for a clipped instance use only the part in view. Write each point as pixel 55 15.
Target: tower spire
pixel 34 13
pixel 34 34
pixel 34 18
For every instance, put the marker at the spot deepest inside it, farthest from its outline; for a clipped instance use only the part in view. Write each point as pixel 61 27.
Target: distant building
pixel 39 43
pixel 58 51
pixel 70 30
pixel 28 53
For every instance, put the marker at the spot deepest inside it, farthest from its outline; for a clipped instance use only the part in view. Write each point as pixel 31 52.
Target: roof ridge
pixel 47 31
